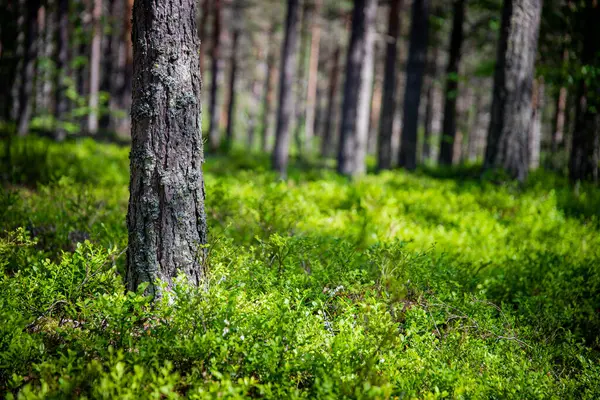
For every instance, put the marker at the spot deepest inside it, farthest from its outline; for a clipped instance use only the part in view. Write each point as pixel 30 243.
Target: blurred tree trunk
pixel 451 93
pixel 313 74
pixel 507 144
pixel 205 12
pixel 327 141
pixel 95 66
pixel 62 68
pixel 415 69
pixel 585 149
pixel 109 60
pixel 166 219
pixel 214 134
pixel 232 81
pixel 535 138
pixel 376 93
pixel 430 107
pixel 357 91
pixel 255 93
pixel 388 100
pixel 9 59
pixel 30 43
pixel 287 73
pixel 43 76
pixel 269 92
pixel 559 119
pixel 301 86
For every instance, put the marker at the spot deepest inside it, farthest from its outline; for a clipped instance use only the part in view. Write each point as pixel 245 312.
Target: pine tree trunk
pixel 108 61
pixel 327 141
pixel 507 144
pixel 9 59
pixel 28 66
pixel 388 100
pixel 357 91
pixel 415 69
pixel 447 156
pixel 535 138
pixel 62 68
pixel 301 86
pixel 269 94
pixel 585 149
pixel 285 112
pixel 95 66
pixel 430 107
pixel 205 12
pixel 166 219
pixel 559 119
pixel 232 85
pixel 313 72
pixel 214 134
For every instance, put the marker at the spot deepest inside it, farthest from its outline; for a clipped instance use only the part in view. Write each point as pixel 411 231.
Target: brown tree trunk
pixel 388 100
pixel 203 36
pixel 95 66
pixel 28 66
pixel 301 86
pixel 585 149
pixel 313 72
pixel 269 93
pixel 559 119
pixel 287 73
pixel 447 157
pixel 214 134
pixel 357 91
pixel 109 59
pixel 62 68
pixel 166 219
pixel 415 69
pixel 430 107
pixel 507 144
pixel 535 136
pixel 232 86
pixel 327 141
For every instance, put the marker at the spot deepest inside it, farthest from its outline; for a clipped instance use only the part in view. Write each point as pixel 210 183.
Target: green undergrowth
pixel 437 284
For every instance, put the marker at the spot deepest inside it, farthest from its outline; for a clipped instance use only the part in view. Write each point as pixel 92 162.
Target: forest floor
pixel 426 285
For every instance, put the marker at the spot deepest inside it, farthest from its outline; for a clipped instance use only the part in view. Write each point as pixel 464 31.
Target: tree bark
pixel 388 99
pixel 232 85
pixel 62 68
pixel 301 86
pixel 327 142
pixel 431 108
pixel 205 12
pixel 415 69
pixel 28 66
pixel 166 219
pixel 95 66
pixel 447 156
pixel 285 111
pixel 357 91
pixel 313 72
pixel 507 144
pixel 108 61
pixel 585 150
pixel 214 134
pixel 269 93
pixel 559 119
pixel 535 138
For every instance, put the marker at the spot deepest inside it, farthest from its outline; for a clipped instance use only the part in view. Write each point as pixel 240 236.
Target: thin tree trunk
pixel 232 86
pixel 559 119
pixel 415 69
pixel 255 92
pixel 507 145
pixel 375 107
pixel 285 112
pixel 95 66
pixel 535 138
pixel 430 107
pixel 108 61
pixel 313 72
pixel 357 91
pixel 28 66
pixel 214 134
pixel 62 68
pixel 9 59
pixel 301 86
pixel 166 219
pixel 388 100
pixel 327 142
pixel 203 35
pixel 585 150
pixel 269 93
pixel 447 156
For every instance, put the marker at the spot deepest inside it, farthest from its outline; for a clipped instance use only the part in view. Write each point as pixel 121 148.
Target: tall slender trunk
pixel 451 93
pixel 255 92
pixel 376 93
pixel 415 69
pixel 585 149
pixel 535 136
pixel 431 105
pixel 357 91
pixel 313 72
pixel 269 93
pixel 28 67
pixel 9 59
pixel 95 66
pixel 507 145
pixel 301 86
pixel 166 219
pixel 232 87
pixel 108 61
pixel 327 141
pixel 286 96
pixel 388 99
pixel 559 119
pixel 205 12
pixel 62 68
pixel 214 134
